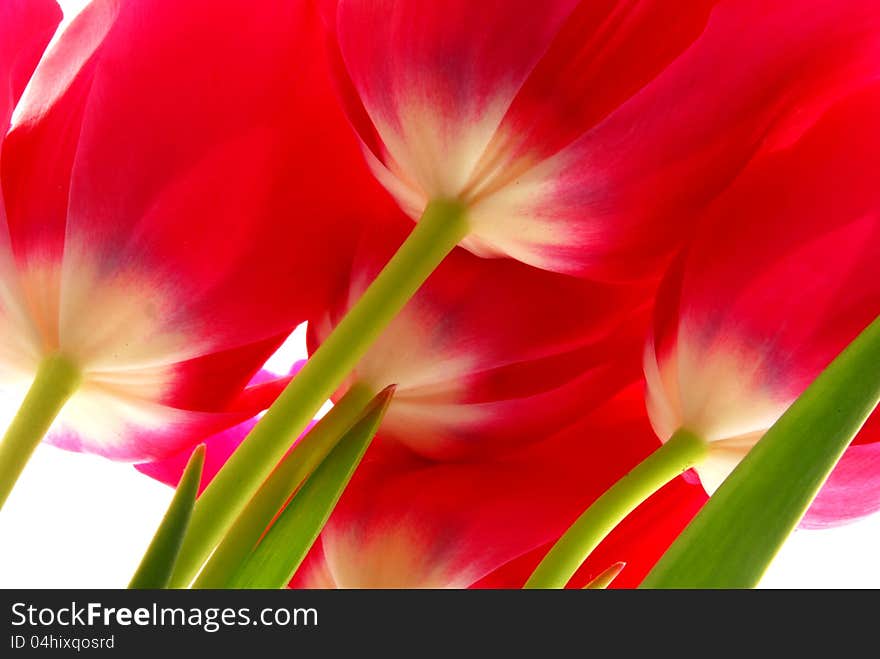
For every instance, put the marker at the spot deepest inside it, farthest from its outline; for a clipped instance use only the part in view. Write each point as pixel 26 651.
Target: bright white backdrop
pixel 81 521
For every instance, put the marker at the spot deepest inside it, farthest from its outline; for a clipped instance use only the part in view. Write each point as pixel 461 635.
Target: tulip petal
pixel 853 489
pixel 604 54
pixel 27 27
pixel 128 210
pixel 39 151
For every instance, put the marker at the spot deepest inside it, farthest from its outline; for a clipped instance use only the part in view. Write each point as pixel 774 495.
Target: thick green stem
pixel 683 450
pixel 442 226
pixel 56 381
pixel 281 485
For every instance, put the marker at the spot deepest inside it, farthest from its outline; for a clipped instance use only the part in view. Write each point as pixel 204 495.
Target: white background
pixel 81 521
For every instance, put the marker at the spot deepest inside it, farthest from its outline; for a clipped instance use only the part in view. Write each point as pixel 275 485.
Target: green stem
pixel 56 381
pixel 442 226
pixel 683 450
pixel 281 485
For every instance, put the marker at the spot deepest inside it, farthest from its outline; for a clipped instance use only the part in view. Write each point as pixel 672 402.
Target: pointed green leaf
pixel 278 489
pixel 604 579
pixel 158 562
pixel 282 550
pixel 732 540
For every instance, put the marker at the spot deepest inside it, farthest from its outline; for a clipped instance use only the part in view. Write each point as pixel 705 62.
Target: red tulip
pixel 582 136
pixel 781 276
pixel 404 522
pixel 491 354
pixel 180 191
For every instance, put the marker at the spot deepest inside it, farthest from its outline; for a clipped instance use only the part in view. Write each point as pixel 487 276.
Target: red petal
pixel 263 389
pixel 604 53
pixel 137 429
pixel 26 26
pixel 38 153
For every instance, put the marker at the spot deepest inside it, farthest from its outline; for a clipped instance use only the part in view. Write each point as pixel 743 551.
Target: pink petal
pixel 853 489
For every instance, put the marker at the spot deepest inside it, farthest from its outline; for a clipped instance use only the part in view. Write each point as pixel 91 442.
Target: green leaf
pixel 275 560
pixel 158 562
pixel 604 579
pixel 281 485
pixel 732 540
